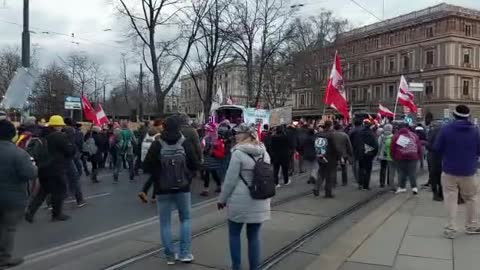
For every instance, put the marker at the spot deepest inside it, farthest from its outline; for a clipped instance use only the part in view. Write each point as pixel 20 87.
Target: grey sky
pixel 88 18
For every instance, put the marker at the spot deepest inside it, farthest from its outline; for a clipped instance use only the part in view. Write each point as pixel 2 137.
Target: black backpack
pixel 38 150
pixel 263 183
pixel 174 174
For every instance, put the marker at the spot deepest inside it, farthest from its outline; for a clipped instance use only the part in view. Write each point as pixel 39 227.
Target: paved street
pixel 109 206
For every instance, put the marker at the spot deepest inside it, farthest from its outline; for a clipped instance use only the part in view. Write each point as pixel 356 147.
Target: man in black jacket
pixel 180 198
pixel 327 166
pixel 280 155
pixel 365 147
pixel 52 172
pixel 434 162
pixel 302 137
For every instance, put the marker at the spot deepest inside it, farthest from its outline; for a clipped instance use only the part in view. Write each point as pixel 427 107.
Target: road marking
pixel 51 252
pixel 91 197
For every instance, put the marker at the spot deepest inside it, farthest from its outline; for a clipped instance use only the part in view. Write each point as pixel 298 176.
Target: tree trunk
pixel 160 97
pixel 207 102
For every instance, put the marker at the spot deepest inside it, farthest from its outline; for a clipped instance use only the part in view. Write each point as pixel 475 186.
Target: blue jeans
pixel 253 236
pixel 73 180
pixel 118 166
pixel 165 206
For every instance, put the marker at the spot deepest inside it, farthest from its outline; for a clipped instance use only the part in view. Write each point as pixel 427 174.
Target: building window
pixel 377 43
pixel 369 94
pixel 429 58
pixel 391 64
pixel 378 66
pixel 406 63
pixel 429 88
pixel 391 39
pixel 429 32
pixel 366 69
pixel 391 91
pixel 467 52
pixel 354 94
pixel 302 100
pixel 378 92
pixel 466 87
pixel 468 30
pixel 353 69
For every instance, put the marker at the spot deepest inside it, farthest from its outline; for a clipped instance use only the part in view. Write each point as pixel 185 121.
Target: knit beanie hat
pixel 461 111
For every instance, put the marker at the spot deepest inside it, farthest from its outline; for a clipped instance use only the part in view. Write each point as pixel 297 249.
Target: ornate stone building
pixel 438 46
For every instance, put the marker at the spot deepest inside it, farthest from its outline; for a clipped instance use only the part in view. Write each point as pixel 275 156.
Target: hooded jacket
pixel 459 146
pixel 360 137
pixel 385 144
pixel 406 152
pixel 241 208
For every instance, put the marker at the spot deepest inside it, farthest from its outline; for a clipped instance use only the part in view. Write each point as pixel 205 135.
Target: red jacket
pixel 406 145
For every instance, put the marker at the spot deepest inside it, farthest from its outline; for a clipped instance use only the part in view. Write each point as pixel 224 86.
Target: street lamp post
pixel 26 35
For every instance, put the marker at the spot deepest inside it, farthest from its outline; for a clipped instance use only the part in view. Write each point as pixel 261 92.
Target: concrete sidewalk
pixel 406 233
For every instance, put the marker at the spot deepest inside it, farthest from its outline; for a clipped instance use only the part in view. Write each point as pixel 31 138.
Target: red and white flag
pixel 405 97
pixel 335 93
pixel 384 111
pixel 102 118
pixel 88 110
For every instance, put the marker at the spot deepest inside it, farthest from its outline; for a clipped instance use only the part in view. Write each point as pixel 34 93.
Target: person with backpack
pixel 172 162
pixel 92 145
pixel 246 194
pixel 214 153
pixel 325 169
pixel 344 146
pixel 124 143
pixel 406 151
pixel 152 135
pixel 387 165
pixel 52 156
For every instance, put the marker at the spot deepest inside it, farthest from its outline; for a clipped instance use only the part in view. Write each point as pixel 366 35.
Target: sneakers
pixel 288 183
pixel 218 190
pixel 449 234
pixel 143 197
pixel 316 193
pixel 278 186
pixel 187 259
pixel 204 193
pixel 29 218
pixel 81 204
pixel 415 191
pixel 172 259
pixel 472 230
pixel 401 190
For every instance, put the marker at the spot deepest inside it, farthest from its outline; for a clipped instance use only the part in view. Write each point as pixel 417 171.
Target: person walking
pixel 52 159
pixel 191 135
pixel 125 142
pixel 422 136
pixel 325 169
pixel 358 147
pixel 365 146
pixel 387 165
pixel 291 133
pixel 93 145
pixel 458 144
pixel 242 209
pixel 406 151
pixel 16 170
pixel 434 162
pixel 213 155
pixel 152 135
pixel 302 137
pixel 73 175
pixel 344 146
pixel 172 162
pixel 280 151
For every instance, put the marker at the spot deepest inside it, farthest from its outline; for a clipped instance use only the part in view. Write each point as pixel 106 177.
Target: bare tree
pixel 80 68
pixel 212 49
pixel 262 28
pixel 146 18
pixel 10 61
pixel 278 82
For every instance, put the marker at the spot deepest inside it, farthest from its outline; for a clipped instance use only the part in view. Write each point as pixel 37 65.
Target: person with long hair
pixel 242 209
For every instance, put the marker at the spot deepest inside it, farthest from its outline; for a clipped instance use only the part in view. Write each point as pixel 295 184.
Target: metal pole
pixel 26 35
pixel 104 97
pixel 140 94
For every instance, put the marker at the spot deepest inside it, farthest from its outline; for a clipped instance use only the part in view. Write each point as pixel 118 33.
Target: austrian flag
pixel 335 93
pixel 405 97
pixel 384 111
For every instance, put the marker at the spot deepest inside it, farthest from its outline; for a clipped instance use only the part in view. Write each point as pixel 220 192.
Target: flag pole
pixel 395 109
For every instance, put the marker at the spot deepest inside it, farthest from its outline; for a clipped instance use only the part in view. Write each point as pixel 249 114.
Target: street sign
pixel 416 87
pixel 73 103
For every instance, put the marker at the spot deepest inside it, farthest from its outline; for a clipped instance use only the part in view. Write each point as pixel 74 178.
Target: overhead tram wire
pixel 366 10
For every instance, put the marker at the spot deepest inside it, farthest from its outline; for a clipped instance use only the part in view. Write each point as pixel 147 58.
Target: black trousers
pixel 146 187
pixel 327 173
pixel 435 176
pixel 54 185
pixel 206 178
pixel 284 164
pixel 344 173
pixel 365 171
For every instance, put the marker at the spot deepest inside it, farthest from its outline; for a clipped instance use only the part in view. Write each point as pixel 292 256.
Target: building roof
pixel 426 14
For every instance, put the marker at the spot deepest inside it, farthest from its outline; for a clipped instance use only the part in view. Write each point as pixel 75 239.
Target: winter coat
pixel 308 147
pixel 279 148
pixel 459 145
pixel 292 139
pixel 360 138
pixel 333 154
pixel 209 161
pixel 16 169
pixel 241 208
pixel 61 150
pixel 147 142
pixel 152 164
pixel 302 137
pixel 404 153
pixel 434 158
pixel 193 139
pixel 385 146
pixel 342 144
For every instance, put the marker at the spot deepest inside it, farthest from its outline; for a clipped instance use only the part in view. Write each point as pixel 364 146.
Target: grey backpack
pixel 174 174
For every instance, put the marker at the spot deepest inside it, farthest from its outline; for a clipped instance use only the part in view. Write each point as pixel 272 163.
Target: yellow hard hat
pixel 56 121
